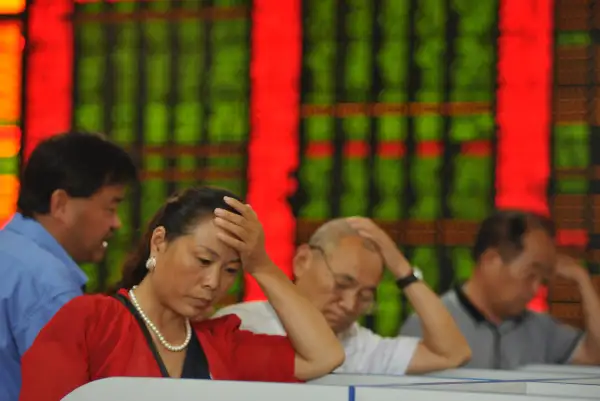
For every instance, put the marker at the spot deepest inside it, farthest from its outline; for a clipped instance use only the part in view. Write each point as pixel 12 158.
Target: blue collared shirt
pixel 37 277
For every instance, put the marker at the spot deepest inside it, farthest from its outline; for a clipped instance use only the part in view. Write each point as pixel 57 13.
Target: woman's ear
pixel 158 241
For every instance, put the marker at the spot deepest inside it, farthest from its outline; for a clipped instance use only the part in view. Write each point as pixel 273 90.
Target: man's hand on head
pixel 569 269
pixel 395 261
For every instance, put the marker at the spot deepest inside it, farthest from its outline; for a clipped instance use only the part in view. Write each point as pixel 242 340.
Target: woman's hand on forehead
pixel 244 233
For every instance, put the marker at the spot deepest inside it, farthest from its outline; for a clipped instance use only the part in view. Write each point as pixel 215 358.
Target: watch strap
pixel 404 282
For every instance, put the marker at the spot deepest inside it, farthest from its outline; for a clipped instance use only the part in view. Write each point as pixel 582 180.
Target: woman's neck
pixel 169 323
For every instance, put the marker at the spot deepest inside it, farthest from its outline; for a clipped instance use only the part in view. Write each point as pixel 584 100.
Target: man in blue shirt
pixel 70 190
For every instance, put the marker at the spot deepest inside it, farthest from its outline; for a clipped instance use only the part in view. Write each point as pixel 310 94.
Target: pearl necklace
pixel 152 326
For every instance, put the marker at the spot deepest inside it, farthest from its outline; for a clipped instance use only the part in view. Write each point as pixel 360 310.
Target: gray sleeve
pixel 562 340
pixel 412 327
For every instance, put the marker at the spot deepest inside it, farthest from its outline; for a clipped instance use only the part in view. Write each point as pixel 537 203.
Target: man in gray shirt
pixel 515 254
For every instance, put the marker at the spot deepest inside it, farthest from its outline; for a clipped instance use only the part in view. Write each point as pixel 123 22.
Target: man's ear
pixel 302 260
pixel 59 205
pixel 491 259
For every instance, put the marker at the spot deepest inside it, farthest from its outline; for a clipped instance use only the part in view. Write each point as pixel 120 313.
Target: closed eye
pixel 205 262
pixel 232 270
pixel 343 283
pixel 367 296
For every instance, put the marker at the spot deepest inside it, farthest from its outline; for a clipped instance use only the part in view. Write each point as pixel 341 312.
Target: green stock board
pixel 341 53
pixel 575 135
pixel 180 81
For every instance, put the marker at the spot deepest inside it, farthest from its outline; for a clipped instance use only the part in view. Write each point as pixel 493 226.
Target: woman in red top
pixel 193 250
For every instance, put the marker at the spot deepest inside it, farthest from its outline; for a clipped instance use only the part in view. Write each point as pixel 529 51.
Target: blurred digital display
pixel 12 6
pixel 11 48
pixel 383 80
pixel 170 82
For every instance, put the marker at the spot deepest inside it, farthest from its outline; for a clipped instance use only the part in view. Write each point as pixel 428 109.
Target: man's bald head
pixel 330 235
pixel 338 271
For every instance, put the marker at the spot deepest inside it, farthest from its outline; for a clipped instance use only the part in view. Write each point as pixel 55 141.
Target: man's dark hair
pixel 504 231
pixel 78 163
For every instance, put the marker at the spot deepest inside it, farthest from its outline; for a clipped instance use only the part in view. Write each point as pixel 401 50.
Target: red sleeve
pixel 255 357
pixel 57 361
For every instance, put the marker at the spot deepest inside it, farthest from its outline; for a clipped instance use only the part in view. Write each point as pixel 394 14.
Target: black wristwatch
pixel 413 277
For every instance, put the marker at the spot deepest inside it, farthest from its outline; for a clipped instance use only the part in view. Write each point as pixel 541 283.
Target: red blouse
pixel 96 336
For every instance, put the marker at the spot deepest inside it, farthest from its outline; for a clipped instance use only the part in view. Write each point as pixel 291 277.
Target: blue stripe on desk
pixel 421 384
pixel 467 380
pixel 351 393
pixel 516 380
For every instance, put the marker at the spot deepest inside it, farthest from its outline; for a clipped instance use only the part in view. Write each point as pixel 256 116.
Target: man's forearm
pixel 591 311
pixel 441 335
pixel 440 332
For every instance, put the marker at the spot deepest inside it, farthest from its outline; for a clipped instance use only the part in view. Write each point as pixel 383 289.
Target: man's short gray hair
pixel 328 235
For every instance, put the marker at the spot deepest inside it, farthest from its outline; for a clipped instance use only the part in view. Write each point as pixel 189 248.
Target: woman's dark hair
pixel 178 216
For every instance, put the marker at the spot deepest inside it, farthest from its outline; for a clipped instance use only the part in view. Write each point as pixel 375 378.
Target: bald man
pixel 338 271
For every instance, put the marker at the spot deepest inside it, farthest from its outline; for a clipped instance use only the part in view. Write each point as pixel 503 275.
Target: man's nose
pixel 116 223
pixel 348 302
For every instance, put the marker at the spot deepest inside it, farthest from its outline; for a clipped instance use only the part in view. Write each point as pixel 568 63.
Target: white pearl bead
pixel 154 329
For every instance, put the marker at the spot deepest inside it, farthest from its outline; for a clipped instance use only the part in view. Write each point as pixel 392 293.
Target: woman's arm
pixel 318 350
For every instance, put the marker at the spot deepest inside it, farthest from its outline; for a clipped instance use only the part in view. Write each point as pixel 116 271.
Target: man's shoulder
pixel 256 316
pixel 449 297
pixel 540 321
pixel 355 336
pixel 23 261
pixel 9 238
pixel 451 302
pixel 29 283
pixel 357 333
pixel 23 275
pixel 17 250
pixel 368 352
pixel 92 312
pixel 261 307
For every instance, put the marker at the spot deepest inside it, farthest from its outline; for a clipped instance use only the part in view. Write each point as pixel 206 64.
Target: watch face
pixel 418 273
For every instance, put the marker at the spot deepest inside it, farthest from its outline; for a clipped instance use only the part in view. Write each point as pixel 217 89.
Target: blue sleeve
pixel 35 316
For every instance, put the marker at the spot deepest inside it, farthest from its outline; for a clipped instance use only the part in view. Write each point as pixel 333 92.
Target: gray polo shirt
pixel 531 338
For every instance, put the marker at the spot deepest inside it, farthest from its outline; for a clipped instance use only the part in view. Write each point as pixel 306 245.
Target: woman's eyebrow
pixel 213 253
pixel 216 255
